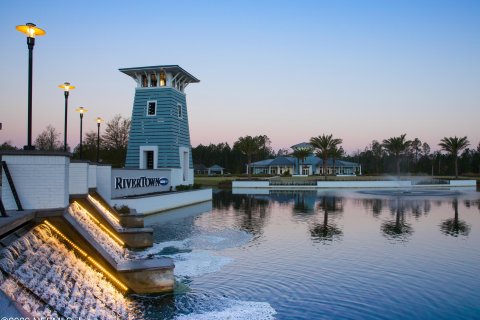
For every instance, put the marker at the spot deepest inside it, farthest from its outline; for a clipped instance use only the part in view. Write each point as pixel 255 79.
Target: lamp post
pixel 66 87
pixel 31 31
pixel 81 110
pixel 99 120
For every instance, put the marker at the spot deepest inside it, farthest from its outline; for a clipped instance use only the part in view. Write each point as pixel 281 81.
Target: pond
pixel 330 254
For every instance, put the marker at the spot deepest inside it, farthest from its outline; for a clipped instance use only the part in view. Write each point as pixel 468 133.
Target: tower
pixel 159 133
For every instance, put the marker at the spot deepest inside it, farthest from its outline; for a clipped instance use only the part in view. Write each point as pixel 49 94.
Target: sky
pixel 292 70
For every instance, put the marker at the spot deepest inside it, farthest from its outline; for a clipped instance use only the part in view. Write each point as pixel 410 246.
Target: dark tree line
pixel 417 158
pixel 234 159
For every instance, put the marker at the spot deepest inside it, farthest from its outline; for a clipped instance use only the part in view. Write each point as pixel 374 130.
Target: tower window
pixel 144 81
pixel 179 107
pixel 151 108
pixel 163 79
pixel 153 80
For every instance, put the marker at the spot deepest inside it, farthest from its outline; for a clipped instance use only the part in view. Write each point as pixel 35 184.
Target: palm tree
pixel 249 146
pixel 324 144
pixel 301 154
pixel 454 146
pixel 455 227
pixel 397 146
pixel 336 153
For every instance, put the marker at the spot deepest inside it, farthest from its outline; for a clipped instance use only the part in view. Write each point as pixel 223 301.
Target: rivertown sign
pixel 142 182
pixel 134 182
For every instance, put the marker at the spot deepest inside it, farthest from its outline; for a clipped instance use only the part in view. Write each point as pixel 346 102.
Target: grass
pixel 216 181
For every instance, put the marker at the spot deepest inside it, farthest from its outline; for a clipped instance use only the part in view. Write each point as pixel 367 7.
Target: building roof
pixel 216 167
pixel 281 161
pixel 302 145
pixel 174 69
pixel 310 160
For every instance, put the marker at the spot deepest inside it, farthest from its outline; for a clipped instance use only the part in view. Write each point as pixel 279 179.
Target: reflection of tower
pixel 159 133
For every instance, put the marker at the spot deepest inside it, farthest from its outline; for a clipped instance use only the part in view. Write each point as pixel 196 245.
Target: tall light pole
pixel 99 120
pixel 66 87
pixel 31 31
pixel 81 110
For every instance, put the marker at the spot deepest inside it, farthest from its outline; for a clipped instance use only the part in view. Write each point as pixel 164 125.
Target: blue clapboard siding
pixel 165 130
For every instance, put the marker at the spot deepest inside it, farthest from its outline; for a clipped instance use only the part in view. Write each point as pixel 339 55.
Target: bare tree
pixel 116 133
pixel 49 140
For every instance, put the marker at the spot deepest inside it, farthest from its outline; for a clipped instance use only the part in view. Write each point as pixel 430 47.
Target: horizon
pixel 360 71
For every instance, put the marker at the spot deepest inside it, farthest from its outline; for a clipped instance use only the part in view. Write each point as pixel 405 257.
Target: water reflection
pixel 304 202
pixel 455 227
pixel 250 211
pixel 327 232
pixel 398 230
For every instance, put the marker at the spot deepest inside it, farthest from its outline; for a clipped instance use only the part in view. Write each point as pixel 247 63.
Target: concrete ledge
pixel 161 202
pixel 14 220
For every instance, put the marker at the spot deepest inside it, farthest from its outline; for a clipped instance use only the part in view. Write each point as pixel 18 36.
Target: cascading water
pixel 116 251
pixel 106 213
pixel 48 280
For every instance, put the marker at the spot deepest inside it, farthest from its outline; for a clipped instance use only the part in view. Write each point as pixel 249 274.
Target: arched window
pixel 153 80
pixel 163 79
pixel 144 81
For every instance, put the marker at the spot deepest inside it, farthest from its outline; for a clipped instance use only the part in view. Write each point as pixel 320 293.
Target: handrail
pixel 12 186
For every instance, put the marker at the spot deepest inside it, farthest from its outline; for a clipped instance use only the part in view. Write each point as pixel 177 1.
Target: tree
pixel 324 144
pixel 453 146
pixel 115 140
pixel 336 153
pixel 377 151
pixel 397 146
pixel 48 140
pixel 89 147
pixel 416 147
pixel 249 146
pixel 301 154
pixel 7 145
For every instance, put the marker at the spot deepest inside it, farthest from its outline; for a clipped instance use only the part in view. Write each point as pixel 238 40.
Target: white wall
pixel 104 181
pixel 78 178
pixel 250 184
pixel 92 175
pixel 463 183
pixel 41 181
pixel 152 204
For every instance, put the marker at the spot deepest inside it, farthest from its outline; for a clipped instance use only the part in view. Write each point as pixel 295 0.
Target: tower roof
pixel 174 69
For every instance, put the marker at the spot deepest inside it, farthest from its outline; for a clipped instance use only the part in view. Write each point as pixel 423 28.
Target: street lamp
pixel 66 87
pixel 31 31
pixel 99 120
pixel 81 110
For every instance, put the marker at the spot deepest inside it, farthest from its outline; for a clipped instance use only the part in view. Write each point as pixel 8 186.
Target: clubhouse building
pixel 311 165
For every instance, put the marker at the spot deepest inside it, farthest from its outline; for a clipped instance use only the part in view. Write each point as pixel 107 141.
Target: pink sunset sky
pixel 358 70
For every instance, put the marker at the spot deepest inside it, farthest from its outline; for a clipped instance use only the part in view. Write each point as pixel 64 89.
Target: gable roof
pixel 216 167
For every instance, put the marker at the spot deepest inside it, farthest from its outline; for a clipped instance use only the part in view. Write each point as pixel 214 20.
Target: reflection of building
pixel 309 166
pixel 159 134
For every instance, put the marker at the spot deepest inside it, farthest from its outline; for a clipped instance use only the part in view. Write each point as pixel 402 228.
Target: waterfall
pixel 48 280
pixel 116 251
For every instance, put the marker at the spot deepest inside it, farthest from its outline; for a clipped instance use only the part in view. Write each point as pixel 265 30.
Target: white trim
pixel 142 164
pixel 151 115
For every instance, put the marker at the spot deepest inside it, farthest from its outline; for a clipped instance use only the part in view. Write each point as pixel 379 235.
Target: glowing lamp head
pixel 30 30
pixel 81 110
pixel 99 120
pixel 66 86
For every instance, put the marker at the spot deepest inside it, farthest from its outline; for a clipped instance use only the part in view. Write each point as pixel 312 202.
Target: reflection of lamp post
pixel 81 110
pixel 31 31
pixel 67 87
pixel 99 120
